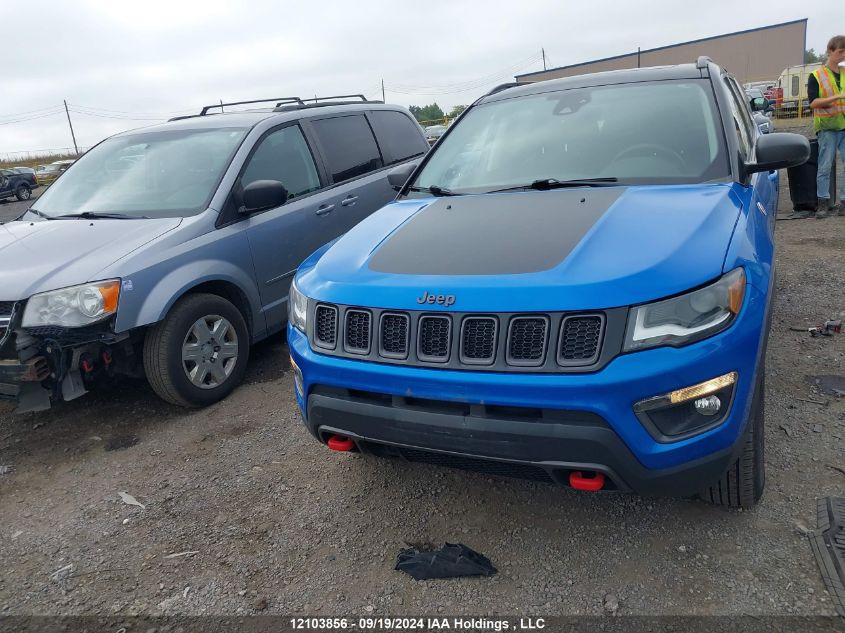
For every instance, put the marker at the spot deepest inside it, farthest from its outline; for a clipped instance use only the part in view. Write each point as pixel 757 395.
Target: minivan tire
pixel 23 193
pixel 168 343
pixel 742 484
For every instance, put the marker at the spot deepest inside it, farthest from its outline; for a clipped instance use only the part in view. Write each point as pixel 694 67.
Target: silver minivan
pixel 169 250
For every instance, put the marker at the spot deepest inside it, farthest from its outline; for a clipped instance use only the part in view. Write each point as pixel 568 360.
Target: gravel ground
pixel 261 518
pixel 11 208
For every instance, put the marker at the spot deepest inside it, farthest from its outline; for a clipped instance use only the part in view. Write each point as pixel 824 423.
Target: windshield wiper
pixel 434 190
pixel 90 215
pixel 38 213
pixel 553 183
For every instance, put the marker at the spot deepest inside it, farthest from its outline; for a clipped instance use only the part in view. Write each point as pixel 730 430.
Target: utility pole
pixel 72 135
pixel 221 106
pixel 543 50
pixel 382 91
pixel 638 56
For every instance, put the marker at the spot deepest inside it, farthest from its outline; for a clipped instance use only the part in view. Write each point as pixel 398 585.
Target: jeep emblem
pixel 443 300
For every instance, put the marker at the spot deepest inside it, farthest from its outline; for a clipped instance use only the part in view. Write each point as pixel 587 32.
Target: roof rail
pixel 319 102
pixel 318 99
pixel 512 84
pixel 702 62
pixel 279 101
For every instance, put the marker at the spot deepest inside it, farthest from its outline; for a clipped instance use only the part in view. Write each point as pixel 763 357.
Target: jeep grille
pixel 546 342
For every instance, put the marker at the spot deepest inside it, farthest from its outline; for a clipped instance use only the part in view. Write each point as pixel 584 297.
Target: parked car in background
pixel 762 108
pixel 587 306
pixel 170 250
pixel 23 170
pixel 46 174
pixel 17 183
pixel 434 132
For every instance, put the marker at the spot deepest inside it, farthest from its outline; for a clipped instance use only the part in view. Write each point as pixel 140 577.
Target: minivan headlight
pixel 76 306
pixel 298 308
pixel 690 317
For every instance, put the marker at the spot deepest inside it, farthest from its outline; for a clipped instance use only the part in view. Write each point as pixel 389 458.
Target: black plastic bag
pixel 450 561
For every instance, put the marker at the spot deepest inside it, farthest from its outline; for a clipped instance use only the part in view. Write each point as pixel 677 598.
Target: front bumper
pixel 389 405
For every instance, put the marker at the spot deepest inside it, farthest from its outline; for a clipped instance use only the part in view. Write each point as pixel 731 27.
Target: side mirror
pixel 759 103
pixel 399 176
pixel 263 194
pixel 779 151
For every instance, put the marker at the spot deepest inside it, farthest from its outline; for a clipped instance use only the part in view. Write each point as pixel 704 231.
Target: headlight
pixel 298 308
pixel 76 306
pixel 688 318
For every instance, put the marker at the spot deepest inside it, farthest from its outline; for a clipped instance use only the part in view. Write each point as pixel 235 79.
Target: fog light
pixel 298 382
pixel 688 411
pixel 708 406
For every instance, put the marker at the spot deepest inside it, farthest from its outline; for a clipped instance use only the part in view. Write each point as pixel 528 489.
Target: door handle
pixel 349 200
pixel 323 209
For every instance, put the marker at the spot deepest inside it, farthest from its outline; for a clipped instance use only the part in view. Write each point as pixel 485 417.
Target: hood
pixel 566 249
pixel 47 255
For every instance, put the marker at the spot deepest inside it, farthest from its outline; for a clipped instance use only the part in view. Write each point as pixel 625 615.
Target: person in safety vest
pixel 826 95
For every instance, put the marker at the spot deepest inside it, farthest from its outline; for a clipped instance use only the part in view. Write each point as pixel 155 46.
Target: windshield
pixel 155 174
pixel 649 132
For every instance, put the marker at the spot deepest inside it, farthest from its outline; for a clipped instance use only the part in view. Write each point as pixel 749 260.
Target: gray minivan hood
pixel 47 255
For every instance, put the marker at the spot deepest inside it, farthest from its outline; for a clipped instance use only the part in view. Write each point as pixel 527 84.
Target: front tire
pixel 742 484
pixel 23 193
pixel 198 354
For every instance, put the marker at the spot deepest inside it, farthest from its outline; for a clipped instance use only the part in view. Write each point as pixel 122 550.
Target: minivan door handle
pixel 323 209
pixel 349 201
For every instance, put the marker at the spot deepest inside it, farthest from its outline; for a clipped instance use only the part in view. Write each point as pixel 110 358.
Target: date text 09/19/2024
pixel 418 624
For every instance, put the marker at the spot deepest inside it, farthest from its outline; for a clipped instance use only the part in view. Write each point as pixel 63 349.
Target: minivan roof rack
pixel 702 62
pixel 279 101
pixel 318 102
pixel 284 104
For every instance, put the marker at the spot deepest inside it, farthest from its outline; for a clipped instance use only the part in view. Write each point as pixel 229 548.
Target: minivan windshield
pixel 158 174
pixel 634 133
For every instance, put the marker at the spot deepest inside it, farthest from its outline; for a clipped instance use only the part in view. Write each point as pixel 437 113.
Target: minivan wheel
pixel 198 354
pixel 23 192
pixel 742 484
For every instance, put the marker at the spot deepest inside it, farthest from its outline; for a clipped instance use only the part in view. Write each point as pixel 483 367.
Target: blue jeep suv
pixel 574 286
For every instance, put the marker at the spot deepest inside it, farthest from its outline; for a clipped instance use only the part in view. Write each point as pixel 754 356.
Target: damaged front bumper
pixel 45 364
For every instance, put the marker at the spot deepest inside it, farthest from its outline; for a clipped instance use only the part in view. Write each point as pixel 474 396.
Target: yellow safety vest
pixel 832 117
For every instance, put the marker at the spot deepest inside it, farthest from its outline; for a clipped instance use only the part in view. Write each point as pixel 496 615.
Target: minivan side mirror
pixel 263 194
pixel 779 150
pixel 399 176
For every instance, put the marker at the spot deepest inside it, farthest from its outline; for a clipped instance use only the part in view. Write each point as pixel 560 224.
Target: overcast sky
pixel 119 62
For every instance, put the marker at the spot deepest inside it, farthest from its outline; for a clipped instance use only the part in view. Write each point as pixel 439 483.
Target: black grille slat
pixel 325 326
pixel 393 335
pixel 478 340
pixel 527 340
pixel 6 308
pixel 357 331
pixel 435 335
pixel 532 342
pixel 580 339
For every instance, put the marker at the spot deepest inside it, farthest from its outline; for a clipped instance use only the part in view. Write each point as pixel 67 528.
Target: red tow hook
pixel 591 484
pixel 340 443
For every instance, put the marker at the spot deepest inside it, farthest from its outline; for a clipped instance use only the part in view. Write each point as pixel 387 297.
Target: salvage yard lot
pixel 266 520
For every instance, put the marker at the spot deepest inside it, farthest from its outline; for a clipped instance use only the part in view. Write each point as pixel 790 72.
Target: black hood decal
pixel 494 234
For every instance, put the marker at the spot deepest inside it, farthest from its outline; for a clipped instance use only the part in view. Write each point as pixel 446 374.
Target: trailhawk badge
pixel 443 300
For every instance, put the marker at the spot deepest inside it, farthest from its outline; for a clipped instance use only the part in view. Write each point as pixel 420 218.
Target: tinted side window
pixel 284 156
pixel 398 136
pixel 795 86
pixel 349 146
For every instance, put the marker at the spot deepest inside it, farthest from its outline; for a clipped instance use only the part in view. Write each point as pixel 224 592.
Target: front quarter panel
pixel 155 279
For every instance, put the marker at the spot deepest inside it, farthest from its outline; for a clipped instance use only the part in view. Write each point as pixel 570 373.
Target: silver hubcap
pixel 25 194
pixel 210 352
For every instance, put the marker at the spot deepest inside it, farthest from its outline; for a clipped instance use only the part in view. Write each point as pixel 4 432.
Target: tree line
pixel 433 112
